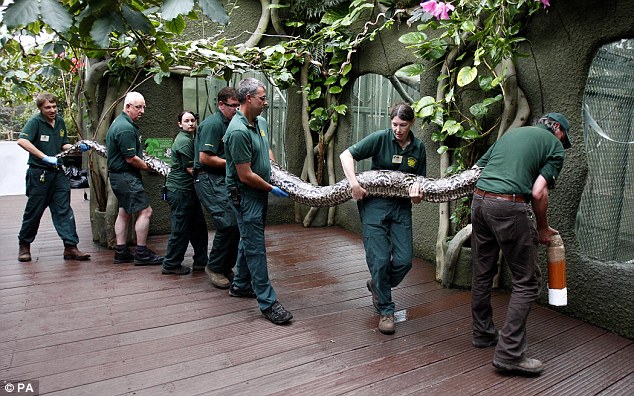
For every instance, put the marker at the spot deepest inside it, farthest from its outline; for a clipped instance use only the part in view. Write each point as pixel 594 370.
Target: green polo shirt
pixel 387 154
pixel 209 139
pixel 514 162
pixel 182 158
pixel 46 138
pixel 123 140
pixel 246 143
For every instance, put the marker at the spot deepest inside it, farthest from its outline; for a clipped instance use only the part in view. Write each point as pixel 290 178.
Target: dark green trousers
pixel 48 188
pixel 252 269
pixel 387 238
pixel 188 225
pixel 212 192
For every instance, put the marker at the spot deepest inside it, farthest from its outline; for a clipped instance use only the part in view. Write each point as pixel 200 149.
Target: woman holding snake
pixel 188 220
pixel 387 222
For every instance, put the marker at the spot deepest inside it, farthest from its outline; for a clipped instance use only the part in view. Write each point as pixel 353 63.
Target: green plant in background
pixel 472 45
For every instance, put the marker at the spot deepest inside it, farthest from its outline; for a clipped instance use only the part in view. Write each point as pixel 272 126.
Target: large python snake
pixel 380 183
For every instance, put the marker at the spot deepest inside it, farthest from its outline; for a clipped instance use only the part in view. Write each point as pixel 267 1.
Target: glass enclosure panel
pixel 200 96
pixel 605 220
pixel 373 96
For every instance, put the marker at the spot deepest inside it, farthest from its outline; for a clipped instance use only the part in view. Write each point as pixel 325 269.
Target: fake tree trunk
pixel 103 203
pixel 515 113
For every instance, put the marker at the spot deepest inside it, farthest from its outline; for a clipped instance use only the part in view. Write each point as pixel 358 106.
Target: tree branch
pixel 263 24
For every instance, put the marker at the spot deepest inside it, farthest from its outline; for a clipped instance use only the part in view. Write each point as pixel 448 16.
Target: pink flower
pixel 439 10
pixel 546 3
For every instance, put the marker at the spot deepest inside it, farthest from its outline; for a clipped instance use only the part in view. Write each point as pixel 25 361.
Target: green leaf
pixel 415 69
pixel 452 127
pixel 347 68
pixel 413 38
pixel 214 10
pixel 173 8
pixel 470 134
pixel 176 25
pixel 478 109
pixel 136 20
pixel 468 26
pixel 438 136
pixel 335 89
pixel 424 107
pixel 105 25
pixel 330 80
pixel 21 13
pixel 56 16
pixel 485 83
pixel 466 75
pixel 316 93
pixel 341 109
pixel 442 149
pixel 162 46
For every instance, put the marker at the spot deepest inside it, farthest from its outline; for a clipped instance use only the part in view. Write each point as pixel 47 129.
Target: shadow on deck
pixel 96 328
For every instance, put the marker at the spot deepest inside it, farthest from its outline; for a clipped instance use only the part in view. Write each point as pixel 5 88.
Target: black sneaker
pixel 180 270
pixel 277 314
pixel 245 293
pixel 124 256
pixel 147 257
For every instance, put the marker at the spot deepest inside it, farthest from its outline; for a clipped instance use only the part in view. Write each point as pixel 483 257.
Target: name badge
pixel 397 159
pixel 44 138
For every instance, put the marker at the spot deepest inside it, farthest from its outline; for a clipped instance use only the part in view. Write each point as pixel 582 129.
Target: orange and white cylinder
pixel 557 291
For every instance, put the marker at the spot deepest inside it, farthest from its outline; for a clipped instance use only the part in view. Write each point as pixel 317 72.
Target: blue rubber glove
pixel 278 192
pixel 83 147
pixel 50 160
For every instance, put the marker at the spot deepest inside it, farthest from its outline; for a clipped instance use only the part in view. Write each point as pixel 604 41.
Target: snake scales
pixel 392 184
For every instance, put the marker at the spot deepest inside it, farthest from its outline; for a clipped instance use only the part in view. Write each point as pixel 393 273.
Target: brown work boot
pixel 524 366
pixel 386 324
pixel 217 279
pixel 25 252
pixel 72 253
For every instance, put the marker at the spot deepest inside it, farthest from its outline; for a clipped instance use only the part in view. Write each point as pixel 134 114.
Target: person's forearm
pixel 253 180
pixel 137 163
pixel 539 201
pixel 540 208
pixel 30 147
pixel 211 161
pixel 347 163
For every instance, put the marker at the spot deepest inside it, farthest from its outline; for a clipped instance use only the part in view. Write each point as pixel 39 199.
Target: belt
pixel 210 172
pixel 506 197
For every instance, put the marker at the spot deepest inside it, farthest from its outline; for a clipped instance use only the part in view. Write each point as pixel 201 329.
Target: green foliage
pixel 484 32
pixel 476 38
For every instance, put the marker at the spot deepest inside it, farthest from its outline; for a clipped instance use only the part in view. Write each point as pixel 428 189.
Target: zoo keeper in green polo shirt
pixel 248 177
pixel 387 222
pixel 518 171
pixel 44 136
pixel 125 163
pixel 188 221
pixel 210 170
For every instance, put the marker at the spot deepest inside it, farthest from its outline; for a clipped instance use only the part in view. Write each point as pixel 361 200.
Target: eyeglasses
pixel 139 107
pixel 234 105
pixel 262 98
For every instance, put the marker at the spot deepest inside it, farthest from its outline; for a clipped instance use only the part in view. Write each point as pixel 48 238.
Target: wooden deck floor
pixel 95 328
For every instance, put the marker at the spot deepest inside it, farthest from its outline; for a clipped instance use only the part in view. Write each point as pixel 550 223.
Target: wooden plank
pixel 85 327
